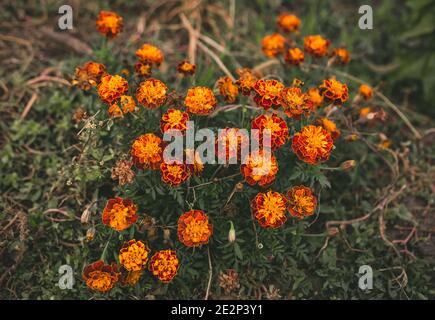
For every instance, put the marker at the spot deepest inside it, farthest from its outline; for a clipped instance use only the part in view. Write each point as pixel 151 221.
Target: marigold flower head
pixel 88 75
pixel 315 97
pixel 112 88
pixel 228 89
pixel 186 68
pixel 279 133
pixel 267 93
pixel 330 126
pixel 200 100
pixel 164 265
pixel 246 80
pixel 229 144
pixel 174 173
pixel 109 24
pixel 150 54
pixel 313 144
pixel 273 45
pixel 174 119
pixel 130 278
pixel 147 151
pixel 143 69
pixel 341 55
pixel 295 102
pixel 334 91
pixel 294 56
pixel 364 112
pixel 259 168
pixel 101 277
pixel 316 45
pixel 151 93
pixel 269 209
pixel 301 202
pixel 365 91
pixel 194 229
pixel 195 162
pixel 119 214
pixel 288 22
pixel 122 172
pixel 126 104
pixel 133 255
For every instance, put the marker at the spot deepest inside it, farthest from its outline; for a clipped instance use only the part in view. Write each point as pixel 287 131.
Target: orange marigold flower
pixel 301 202
pixel 143 69
pixel 228 89
pixel 89 75
pixel 174 173
pixel 186 68
pixel 294 56
pixel 312 144
pixel 174 119
pixel 112 88
pixel 130 278
pixel 258 168
pixel 316 45
pixel 194 229
pixel 288 22
pixel 200 100
pixel 194 161
pixel 295 102
pixel 229 144
pixel 315 97
pixel 101 277
pixel 330 126
pixel 334 91
pixel 269 209
pixel 267 93
pixel 273 45
pixel 164 265
pixel 279 133
pixel 246 80
pixel 147 151
pixel 133 255
pixel 109 24
pixel 341 55
pixel 119 214
pixel 126 104
pixel 150 54
pixel 151 93
pixel 366 91
pixel 364 112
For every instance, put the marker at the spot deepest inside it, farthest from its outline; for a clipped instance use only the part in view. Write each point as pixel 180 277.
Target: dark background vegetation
pixel 45 189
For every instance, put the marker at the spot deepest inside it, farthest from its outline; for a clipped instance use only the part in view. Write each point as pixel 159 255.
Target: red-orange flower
pixel 200 100
pixel 119 214
pixel 312 144
pixel 279 133
pixel 330 126
pixel 147 151
pixel 150 54
pixel 174 119
pixel 186 68
pixel 259 168
pixel 112 88
pixel 334 91
pixel 143 69
pixel 269 209
pixel 133 255
pixel 228 89
pixel 164 265
pixel 294 56
pixel 315 97
pixel 246 80
pixel 101 277
pixel 301 202
pixel 151 93
pixel 366 91
pixel 316 45
pixel 341 55
pixel 288 22
pixel 174 173
pixel 267 93
pixel 295 102
pixel 89 75
pixel 194 162
pixel 126 104
pixel 109 24
pixel 229 144
pixel 194 229
pixel 273 45
pixel 130 278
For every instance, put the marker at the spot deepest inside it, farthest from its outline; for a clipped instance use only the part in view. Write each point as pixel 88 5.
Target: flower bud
pixel 348 165
pixel 232 233
pixel 90 234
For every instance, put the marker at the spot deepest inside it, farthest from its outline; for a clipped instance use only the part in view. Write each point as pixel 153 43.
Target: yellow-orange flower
pixel 109 24
pixel 229 144
pixel 273 45
pixel 267 93
pixel 363 112
pixel 130 278
pixel 269 209
pixel 147 151
pixel 143 69
pixel 101 277
pixel 150 54
pixel 295 102
pixel 151 93
pixel 294 56
pixel 200 100
pixel 341 55
pixel 330 126
pixel 174 119
pixel 312 144
pixel 164 265
pixel 334 91
pixel 194 161
pixel 288 22
pixel 316 45
pixel 246 80
pixel 301 202
pixel 259 168
pixel 126 104
pixel 89 75
pixel 186 68
pixel 119 214
pixel 174 173
pixel 133 255
pixel 228 89
pixel 279 133
pixel 112 88
pixel 365 91
pixel 315 97
pixel 194 229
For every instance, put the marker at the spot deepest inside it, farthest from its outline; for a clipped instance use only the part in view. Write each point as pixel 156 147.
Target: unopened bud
pixel 232 233
pixel 333 231
pixel 166 234
pixel 90 234
pixel 348 165
pixel 239 187
pixel 351 137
